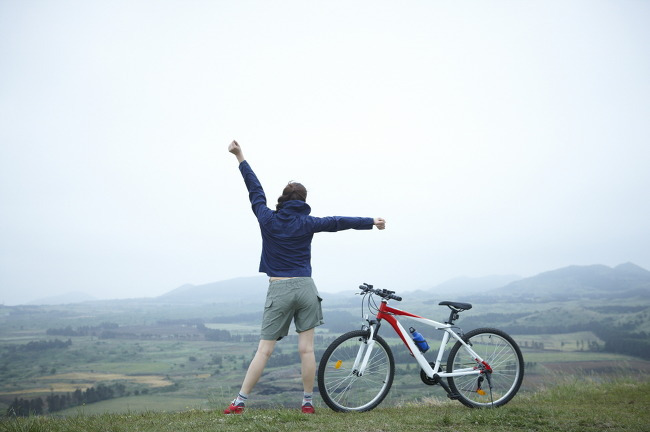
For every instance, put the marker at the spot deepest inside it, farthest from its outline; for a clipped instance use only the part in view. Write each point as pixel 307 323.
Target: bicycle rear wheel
pixel 339 382
pixel 503 355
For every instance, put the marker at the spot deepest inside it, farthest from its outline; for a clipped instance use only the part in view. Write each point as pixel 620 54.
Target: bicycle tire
pixel 503 355
pixel 339 386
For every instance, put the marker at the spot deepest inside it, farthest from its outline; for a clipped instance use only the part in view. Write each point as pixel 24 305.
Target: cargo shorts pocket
pixel 268 316
pixel 320 310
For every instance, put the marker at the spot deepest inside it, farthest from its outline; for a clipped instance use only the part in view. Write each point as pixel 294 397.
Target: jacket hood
pixel 295 206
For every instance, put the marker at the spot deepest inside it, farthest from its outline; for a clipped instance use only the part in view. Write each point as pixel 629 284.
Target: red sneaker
pixel 308 409
pixel 234 409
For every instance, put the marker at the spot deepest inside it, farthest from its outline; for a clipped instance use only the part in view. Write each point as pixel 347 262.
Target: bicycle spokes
pixel 343 386
pixel 502 368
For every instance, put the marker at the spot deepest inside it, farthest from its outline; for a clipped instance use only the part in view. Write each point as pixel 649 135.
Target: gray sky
pixel 496 137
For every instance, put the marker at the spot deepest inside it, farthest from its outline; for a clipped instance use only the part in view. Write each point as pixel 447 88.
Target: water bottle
pixel 419 340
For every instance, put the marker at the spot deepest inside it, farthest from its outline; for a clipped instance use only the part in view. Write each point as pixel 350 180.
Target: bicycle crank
pixel 430 381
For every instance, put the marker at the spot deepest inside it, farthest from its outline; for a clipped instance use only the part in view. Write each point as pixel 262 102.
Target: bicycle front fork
pixel 365 349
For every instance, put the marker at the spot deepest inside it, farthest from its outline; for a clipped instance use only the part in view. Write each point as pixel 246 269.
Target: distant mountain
pixel 238 290
pixel 468 285
pixel 67 298
pixel 239 294
pixel 575 282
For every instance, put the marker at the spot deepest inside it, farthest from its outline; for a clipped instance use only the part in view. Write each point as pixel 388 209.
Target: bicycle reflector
pixel 338 364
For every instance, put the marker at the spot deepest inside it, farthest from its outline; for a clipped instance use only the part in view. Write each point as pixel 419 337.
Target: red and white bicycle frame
pixel 389 314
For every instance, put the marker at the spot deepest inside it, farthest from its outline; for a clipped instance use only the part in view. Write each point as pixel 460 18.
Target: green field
pixel 164 362
pixel 167 380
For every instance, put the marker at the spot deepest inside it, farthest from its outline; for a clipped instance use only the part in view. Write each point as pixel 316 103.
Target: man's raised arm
pixel 235 149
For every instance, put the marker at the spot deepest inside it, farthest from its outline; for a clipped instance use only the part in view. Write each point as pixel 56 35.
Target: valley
pixel 163 355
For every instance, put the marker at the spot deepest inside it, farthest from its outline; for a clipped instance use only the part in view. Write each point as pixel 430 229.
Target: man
pixel 287 233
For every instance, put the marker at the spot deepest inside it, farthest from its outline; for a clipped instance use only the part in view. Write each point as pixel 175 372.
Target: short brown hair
pixel 292 191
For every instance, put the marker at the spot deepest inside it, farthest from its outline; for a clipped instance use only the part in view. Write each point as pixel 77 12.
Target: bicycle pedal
pixel 453 396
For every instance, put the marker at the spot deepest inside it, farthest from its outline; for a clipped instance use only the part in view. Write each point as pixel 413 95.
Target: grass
pixel 575 405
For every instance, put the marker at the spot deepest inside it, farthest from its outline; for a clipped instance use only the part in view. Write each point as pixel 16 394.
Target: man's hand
pixel 235 149
pixel 380 223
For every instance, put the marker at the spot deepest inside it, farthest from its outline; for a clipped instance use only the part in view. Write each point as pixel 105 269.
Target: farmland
pixel 176 358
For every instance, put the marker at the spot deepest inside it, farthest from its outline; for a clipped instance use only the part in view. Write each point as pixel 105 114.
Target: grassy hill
pixel 577 405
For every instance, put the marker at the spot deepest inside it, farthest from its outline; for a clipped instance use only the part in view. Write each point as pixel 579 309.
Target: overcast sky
pixel 495 137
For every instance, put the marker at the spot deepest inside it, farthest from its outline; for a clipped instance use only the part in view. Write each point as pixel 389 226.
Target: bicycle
pixel 485 366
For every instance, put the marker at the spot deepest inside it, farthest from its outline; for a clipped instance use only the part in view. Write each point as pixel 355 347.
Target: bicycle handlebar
pixel 383 293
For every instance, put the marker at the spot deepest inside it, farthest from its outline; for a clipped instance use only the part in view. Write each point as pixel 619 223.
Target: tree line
pixel 58 402
pixel 618 340
pixel 82 330
pixel 39 346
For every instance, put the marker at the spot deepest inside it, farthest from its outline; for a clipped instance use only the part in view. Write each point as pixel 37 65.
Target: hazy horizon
pixel 494 137
pixel 79 297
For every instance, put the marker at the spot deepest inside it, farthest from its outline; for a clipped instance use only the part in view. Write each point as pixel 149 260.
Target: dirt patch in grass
pixel 69 382
pixel 54 387
pixel 150 380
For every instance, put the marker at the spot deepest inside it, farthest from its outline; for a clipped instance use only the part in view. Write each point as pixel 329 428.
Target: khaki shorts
pixel 294 299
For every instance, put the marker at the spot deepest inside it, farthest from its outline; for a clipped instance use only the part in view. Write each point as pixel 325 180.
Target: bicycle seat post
pixel 453 316
pixel 456 308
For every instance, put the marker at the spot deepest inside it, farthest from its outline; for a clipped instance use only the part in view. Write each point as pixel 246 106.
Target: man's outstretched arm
pixel 340 223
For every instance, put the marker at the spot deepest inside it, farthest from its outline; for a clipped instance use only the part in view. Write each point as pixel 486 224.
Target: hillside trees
pixel 58 402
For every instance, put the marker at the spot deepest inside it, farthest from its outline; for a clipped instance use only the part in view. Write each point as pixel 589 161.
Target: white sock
pixel 241 399
pixel 306 399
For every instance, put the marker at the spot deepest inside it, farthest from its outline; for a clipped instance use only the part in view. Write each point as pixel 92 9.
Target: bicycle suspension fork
pixel 365 349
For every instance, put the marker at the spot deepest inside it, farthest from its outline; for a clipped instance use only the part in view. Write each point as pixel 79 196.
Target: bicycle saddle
pixel 458 306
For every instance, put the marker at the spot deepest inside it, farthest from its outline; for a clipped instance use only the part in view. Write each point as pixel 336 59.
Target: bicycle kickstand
pixel 488 375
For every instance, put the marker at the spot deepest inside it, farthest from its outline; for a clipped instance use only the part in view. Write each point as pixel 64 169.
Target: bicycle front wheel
pixel 503 355
pixel 340 383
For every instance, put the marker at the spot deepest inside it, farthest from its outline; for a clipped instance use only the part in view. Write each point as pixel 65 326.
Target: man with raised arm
pixel 287 233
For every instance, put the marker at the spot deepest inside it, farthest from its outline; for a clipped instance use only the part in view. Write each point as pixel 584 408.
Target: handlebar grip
pixel 381 293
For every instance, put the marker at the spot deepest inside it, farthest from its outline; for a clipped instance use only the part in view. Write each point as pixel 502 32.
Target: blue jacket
pixel 287 232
